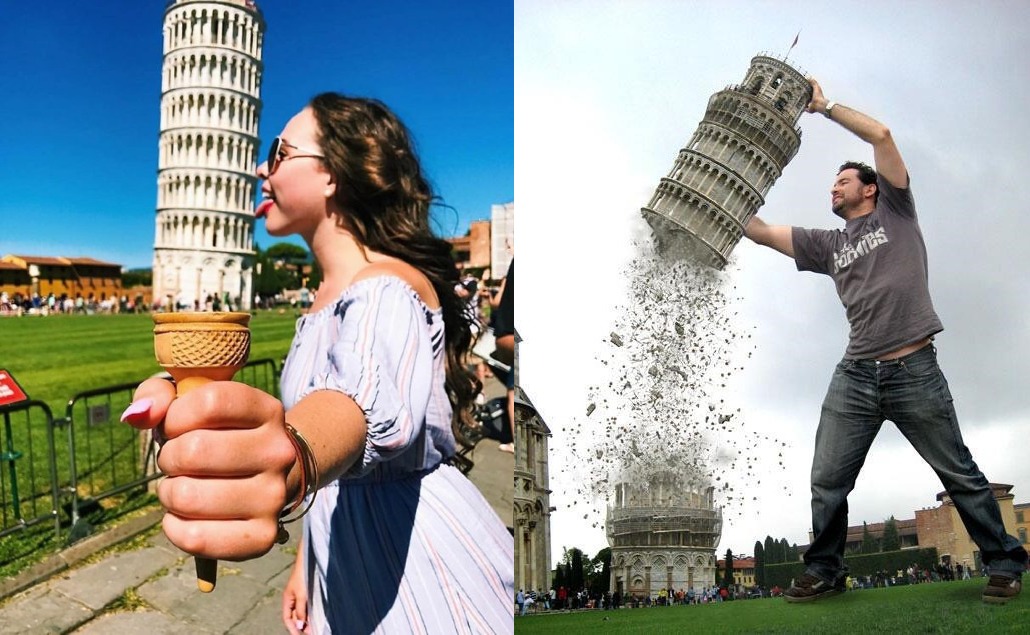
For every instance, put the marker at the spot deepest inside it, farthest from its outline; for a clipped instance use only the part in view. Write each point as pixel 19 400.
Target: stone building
pixel 940 527
pixel 719 180
pixel 743 572
pixel 1021 512
pixel 488 244
pixel 72 277
pixel 502 238
pixel 532 506
pixel 663 532
pixel 208 151
pixel 472 251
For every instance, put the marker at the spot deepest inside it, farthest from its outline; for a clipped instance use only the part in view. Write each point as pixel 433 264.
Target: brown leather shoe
pixel 809 588
pixel 1000 589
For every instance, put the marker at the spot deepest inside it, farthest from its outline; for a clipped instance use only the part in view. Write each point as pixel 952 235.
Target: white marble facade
pixel 208 152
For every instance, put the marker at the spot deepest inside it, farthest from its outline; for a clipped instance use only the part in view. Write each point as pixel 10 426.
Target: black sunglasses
pixel 277 154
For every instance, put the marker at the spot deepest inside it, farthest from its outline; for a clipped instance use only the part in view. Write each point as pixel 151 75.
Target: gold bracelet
pixel 308 481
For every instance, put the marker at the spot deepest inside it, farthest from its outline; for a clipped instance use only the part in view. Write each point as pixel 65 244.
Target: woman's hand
pixel 295 597
pixel 226 456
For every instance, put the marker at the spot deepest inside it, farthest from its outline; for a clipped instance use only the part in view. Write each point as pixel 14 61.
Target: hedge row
pixel 860 564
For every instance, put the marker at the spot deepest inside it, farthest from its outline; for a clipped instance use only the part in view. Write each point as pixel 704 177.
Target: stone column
pixel 533 560
pixel 520 564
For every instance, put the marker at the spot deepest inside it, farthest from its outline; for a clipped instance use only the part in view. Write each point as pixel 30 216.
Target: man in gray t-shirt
pixel 889 371
pixel 878 263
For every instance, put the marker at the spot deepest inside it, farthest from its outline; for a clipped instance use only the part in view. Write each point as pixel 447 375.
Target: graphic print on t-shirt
pixel 850 253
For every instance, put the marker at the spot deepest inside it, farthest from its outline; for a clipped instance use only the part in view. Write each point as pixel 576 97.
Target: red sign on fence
pixel 10 391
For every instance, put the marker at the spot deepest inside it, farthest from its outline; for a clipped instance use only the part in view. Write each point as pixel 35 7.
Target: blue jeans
pixel 912 392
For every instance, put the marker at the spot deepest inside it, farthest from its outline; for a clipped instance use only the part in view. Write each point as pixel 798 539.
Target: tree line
pixel 772 552
pixel 576 571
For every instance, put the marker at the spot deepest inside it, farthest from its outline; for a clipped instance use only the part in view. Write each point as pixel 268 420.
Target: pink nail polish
pixel 137 409
pixel 300 624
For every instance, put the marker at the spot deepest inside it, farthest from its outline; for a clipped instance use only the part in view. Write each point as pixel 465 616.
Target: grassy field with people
pixel 941 607
pixel 56 357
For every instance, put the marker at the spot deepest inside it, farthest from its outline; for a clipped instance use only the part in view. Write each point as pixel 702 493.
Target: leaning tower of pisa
pixel 719 180
pixel 210 104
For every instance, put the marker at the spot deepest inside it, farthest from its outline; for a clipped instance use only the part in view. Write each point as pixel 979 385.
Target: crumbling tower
pixel 720 179
pixel 663 530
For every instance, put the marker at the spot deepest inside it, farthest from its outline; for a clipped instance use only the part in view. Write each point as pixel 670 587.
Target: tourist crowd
pixel 563 599
pixel 18 304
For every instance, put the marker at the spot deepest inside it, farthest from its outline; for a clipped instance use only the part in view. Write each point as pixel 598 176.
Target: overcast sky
pixel 606 93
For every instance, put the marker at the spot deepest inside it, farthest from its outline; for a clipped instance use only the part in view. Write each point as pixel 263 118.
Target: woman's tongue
pixel 263 207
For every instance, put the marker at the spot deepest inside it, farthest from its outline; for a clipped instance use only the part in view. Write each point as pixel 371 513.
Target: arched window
pixel 777 80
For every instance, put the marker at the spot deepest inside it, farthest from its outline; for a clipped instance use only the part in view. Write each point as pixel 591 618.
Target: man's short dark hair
pixel 866 174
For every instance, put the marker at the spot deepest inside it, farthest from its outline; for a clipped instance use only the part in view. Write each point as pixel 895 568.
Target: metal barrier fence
pixel 29 496
pixel 102 456
pixel 262 374
pixel 105 457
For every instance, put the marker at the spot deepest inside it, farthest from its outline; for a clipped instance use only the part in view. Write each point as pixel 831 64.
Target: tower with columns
pixel 531 506
pixel 719 180
pixel 663 530
pixel 210 107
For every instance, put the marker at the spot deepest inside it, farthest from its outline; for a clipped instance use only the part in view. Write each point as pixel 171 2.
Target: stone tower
pixel 210 104
pixel 531 506
pixel 720 179
pixel 663 531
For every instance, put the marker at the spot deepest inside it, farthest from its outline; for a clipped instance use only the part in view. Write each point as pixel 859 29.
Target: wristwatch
pixel 829 109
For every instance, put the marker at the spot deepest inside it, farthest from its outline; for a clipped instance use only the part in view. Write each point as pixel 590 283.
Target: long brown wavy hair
pixel 379 182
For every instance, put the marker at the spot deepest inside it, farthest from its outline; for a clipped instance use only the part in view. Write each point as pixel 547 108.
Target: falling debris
pixel 669 364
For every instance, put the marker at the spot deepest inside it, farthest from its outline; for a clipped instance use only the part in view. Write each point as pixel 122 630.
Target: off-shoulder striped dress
pixel 402 543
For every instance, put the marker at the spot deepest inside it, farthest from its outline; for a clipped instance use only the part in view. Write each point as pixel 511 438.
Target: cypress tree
pixel 868 542
pixel 727 579
pixel 891 539
pixel 576 571
pixel 770 551
pixel 601 580
pixel 759 564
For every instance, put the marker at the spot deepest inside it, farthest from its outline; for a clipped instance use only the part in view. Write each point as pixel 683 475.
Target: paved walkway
pixel 157 582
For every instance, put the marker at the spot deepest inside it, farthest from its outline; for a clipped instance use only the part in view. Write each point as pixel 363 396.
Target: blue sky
pixel 83 86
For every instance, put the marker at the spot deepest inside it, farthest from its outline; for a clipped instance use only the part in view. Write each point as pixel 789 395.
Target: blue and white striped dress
pixel 402 543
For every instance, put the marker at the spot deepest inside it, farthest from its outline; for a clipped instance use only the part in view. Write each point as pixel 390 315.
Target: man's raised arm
pixel 886 156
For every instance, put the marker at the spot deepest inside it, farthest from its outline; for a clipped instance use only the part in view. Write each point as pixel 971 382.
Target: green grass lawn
pixel 943 607
pixel 56 357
